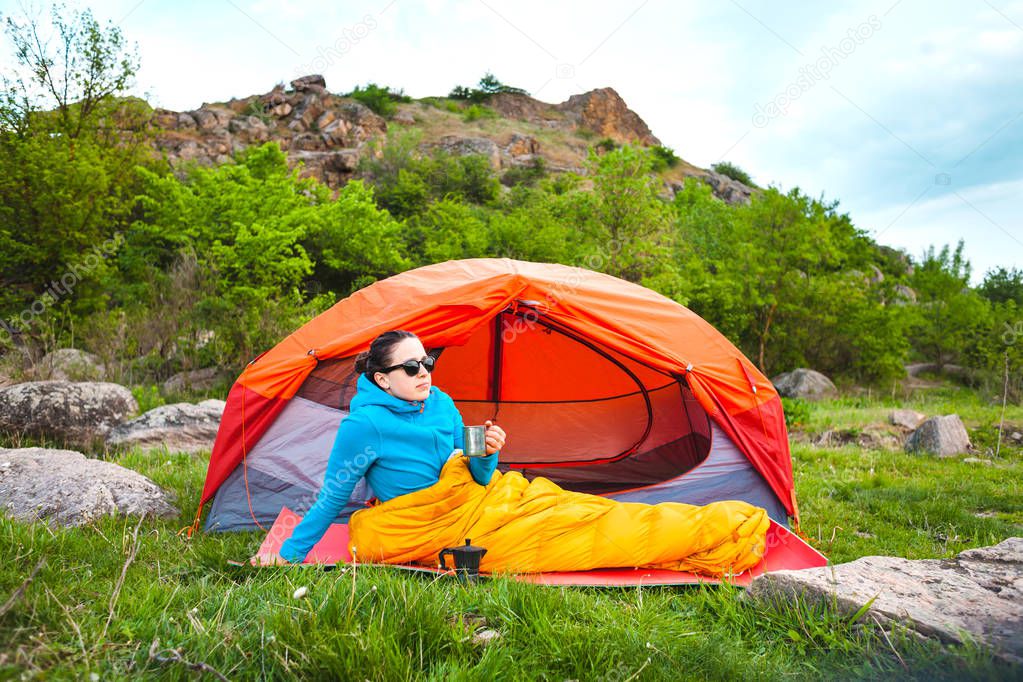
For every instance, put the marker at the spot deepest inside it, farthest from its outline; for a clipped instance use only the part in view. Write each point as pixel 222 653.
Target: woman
pixel 400 435
pixel 400 432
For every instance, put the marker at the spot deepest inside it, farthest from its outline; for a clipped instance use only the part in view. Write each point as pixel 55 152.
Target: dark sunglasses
pixel 411 367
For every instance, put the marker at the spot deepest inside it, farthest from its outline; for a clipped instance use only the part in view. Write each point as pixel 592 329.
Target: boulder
pixel 181 427
pixel 944 436
pixel 73 412
pixel 185 122
pixel 281 110
pixel 725 188
pixel 70 364
pixel 978 594
pixel 335 133
pixel 904 295
pixel 311 83
pixel 520 145
pixel 405 118
pixel 365 123
pixel 804 383
pixel 205 120
pixel 195 380
pixel 466 146
pixel 906 419
pixel 67 488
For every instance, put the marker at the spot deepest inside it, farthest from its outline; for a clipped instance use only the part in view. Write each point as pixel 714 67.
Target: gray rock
pixel 185 122
pixel 907 419
pixel 979 593
pixel 181 427
pixel 904 295
pixel 311 83
pixel 67 488
pixel 70 364
pixel 466 146
pixel 72 412
pixel 205 119
pixel 1016 436
pixel 195 380
pixel 729 190
pixel 804 383
pixel 405 118
pixel 944 436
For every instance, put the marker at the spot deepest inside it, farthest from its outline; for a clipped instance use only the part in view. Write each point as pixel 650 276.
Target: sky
pixel 909 113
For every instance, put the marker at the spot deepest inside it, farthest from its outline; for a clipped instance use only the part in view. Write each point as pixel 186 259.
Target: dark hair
pixel 378 356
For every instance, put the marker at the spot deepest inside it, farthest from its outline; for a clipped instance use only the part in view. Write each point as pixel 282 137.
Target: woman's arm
pixel 481 468
pixel 355 449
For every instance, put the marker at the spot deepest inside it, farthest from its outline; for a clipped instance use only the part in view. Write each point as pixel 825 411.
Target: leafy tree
pixel 532 225
pixel 1002 284
pixel 488 85
pixel 624 220
pixel 406 181
pixel 447 230
pixel 950 314
pixel 261 235
pixel 69 144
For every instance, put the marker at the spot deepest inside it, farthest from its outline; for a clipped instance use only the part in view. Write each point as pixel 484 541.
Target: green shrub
pixel 607 145
pixel 258 109
pixel 381 99
pixel 475 112
pixel 527 175
pixel 797 412
pixel 732 171
pixel 663 157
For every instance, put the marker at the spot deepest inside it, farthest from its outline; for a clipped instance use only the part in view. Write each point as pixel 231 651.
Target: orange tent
pixel 602 386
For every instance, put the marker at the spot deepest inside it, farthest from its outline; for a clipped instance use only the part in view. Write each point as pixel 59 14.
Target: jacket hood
pixel 368 393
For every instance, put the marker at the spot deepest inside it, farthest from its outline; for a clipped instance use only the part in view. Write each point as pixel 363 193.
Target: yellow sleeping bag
pixel 535 526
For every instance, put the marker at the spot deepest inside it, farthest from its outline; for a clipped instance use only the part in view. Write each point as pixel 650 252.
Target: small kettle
pixel 467 560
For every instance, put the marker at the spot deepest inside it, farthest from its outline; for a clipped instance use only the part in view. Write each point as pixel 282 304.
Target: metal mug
pixel 475 441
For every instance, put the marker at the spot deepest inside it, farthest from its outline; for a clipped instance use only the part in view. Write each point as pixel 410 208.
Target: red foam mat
pixel 785 550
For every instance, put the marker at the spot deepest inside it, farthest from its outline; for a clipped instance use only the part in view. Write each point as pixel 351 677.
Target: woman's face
pixel 397 382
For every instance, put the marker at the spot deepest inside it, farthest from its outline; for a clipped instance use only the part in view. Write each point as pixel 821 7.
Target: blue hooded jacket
pixel 399 446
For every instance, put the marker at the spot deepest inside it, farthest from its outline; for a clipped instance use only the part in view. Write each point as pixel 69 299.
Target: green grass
pixel 182 605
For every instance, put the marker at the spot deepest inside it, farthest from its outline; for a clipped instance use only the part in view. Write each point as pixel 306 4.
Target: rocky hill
pixel 328 134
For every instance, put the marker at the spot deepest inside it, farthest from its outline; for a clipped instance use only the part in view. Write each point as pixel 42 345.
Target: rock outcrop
pixel 66 411
pixel 67 488
pixel 328 134
pixel 979 594
pixel 181 427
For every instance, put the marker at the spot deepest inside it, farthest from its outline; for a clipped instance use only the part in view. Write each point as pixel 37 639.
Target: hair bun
pixel 362 362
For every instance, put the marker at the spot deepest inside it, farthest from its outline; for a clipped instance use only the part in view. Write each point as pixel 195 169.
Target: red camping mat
pixel 785 550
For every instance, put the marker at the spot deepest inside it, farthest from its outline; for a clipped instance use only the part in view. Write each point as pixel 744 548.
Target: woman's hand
pixel 273 559
pixel 495 437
